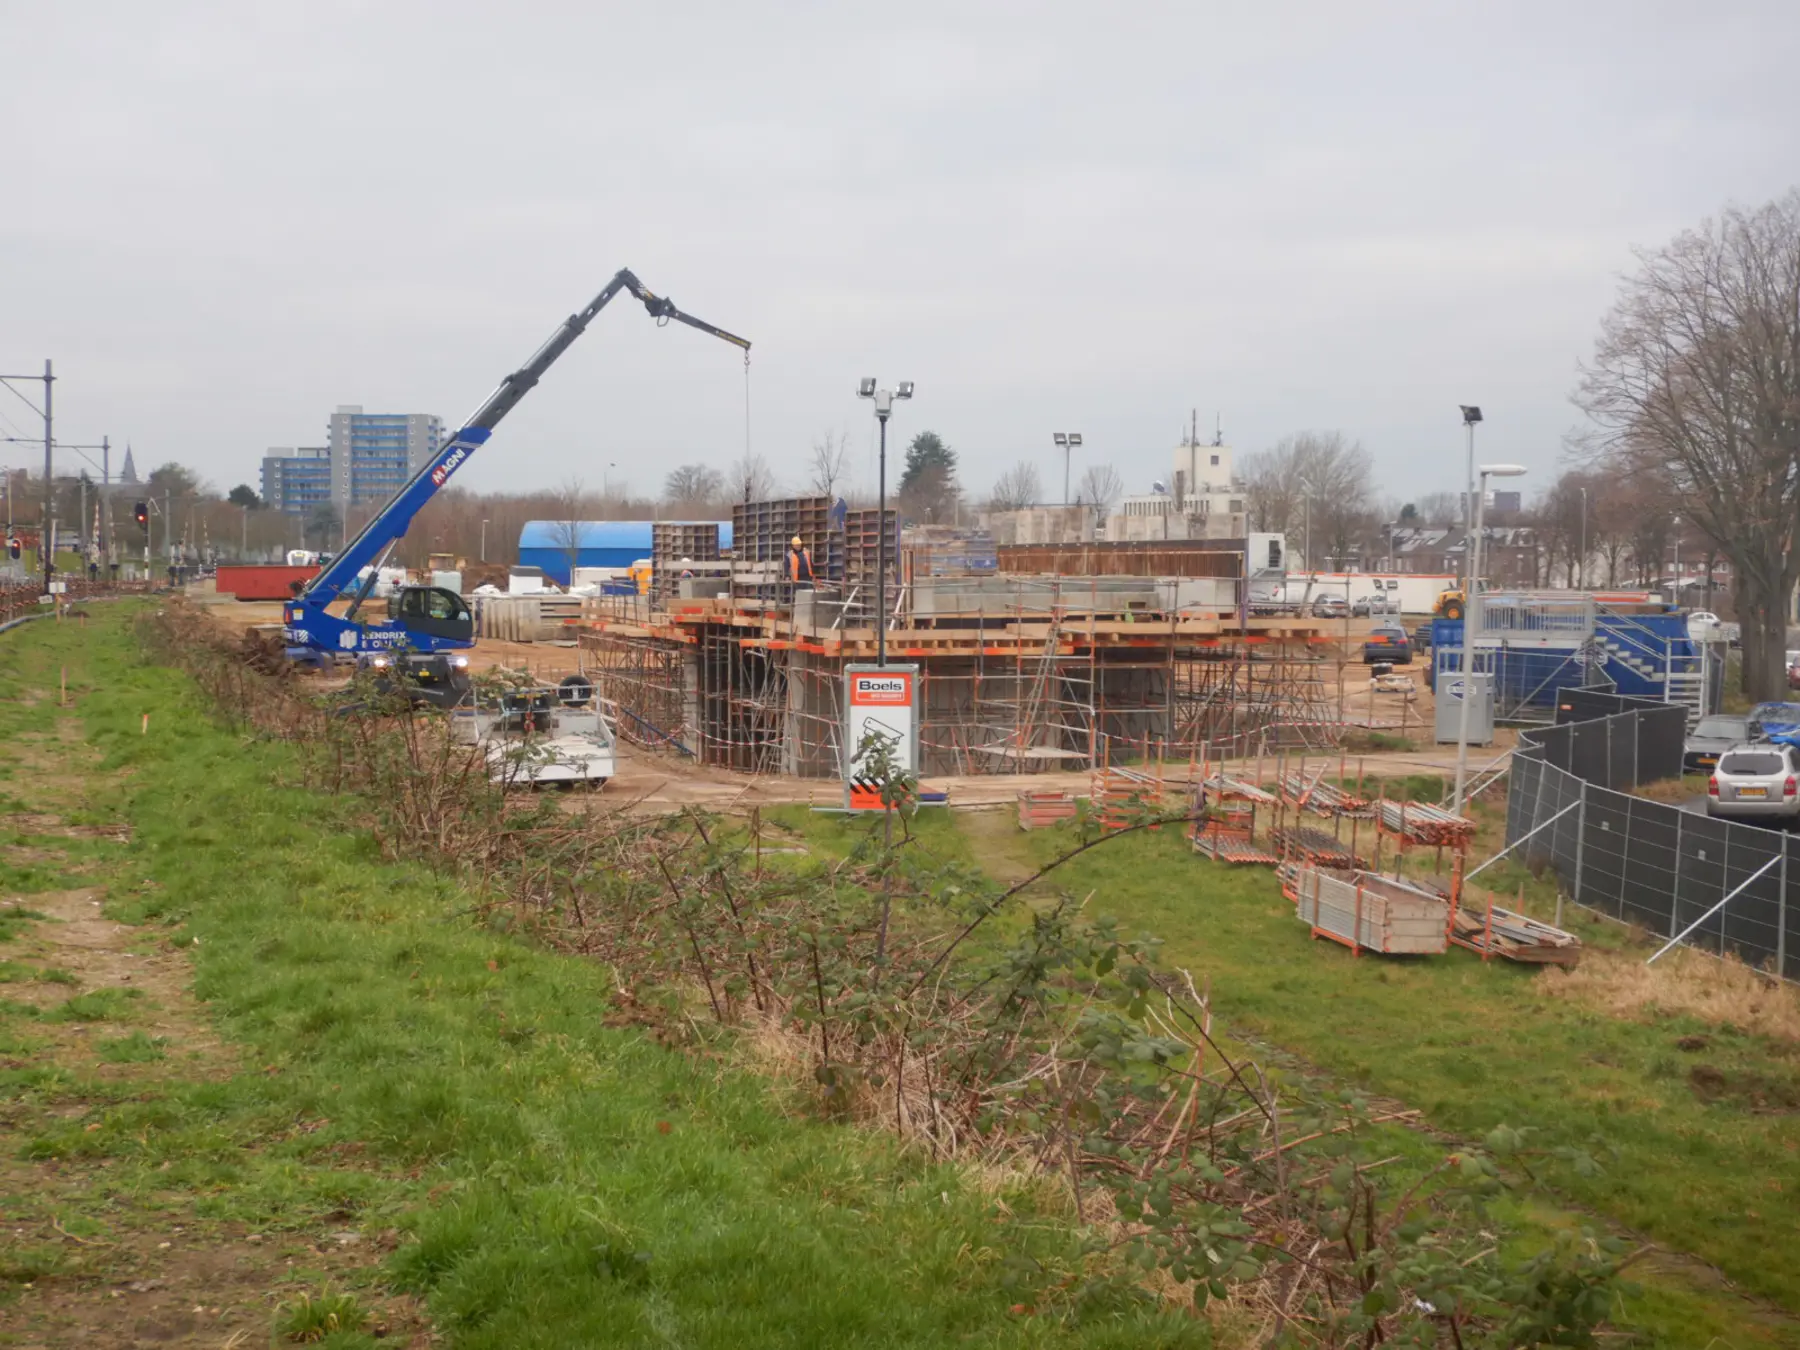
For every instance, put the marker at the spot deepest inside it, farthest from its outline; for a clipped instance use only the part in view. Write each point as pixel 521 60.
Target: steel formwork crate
pixel 1372 913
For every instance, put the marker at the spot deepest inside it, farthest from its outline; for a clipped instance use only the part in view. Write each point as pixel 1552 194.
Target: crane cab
pixel 433 611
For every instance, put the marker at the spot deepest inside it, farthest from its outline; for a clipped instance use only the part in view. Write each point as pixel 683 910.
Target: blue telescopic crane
pixel 426 619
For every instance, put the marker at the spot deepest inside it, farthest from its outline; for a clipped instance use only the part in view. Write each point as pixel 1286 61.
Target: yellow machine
pixel 1450 605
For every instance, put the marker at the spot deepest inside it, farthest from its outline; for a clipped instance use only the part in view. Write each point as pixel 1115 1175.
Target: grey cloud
pixel 222 220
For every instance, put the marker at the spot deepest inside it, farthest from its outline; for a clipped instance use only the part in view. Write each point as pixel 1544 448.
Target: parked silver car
pixel 1756 782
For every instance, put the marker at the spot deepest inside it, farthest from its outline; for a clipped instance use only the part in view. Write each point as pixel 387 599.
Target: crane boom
pixel 313 630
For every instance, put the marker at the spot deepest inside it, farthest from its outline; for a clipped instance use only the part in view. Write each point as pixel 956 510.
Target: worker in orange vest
pixel 798 566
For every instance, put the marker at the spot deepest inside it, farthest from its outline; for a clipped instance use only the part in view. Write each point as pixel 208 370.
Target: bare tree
pixel 565 530
pixel 1557 519
pixel 830 458
pixel 1100 487
pixel 1018 486
pixel 1439 508
pixel 751 479
pixel 693 489
pixel 1695 383
pixel 1316 479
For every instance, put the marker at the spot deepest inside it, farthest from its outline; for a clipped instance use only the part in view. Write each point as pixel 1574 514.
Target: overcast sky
pixel 222 220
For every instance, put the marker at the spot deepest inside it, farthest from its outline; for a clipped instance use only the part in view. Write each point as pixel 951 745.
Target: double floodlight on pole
pixel 1472 603
pixel 884 409
pixel 1070 441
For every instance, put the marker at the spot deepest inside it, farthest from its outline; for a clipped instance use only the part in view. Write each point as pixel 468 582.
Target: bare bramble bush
pixel 978 1024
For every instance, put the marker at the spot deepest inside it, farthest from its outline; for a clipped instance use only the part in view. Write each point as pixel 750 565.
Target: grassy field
pixel 1696 1119
pixel 258 1082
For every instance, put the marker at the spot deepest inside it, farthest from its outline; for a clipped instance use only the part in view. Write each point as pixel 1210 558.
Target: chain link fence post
pixel 1781 910
pixel 1675 883
pixel 1725 889
pixel 1580 850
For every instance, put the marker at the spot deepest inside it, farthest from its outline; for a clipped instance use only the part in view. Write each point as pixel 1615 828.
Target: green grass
pixel 16 919
pixel 332 1318
pixel 17 972
pixel 559 1182
pixel 135 1048
pixel 1474 1046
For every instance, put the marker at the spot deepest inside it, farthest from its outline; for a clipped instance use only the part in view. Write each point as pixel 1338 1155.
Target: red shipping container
pixel 272 582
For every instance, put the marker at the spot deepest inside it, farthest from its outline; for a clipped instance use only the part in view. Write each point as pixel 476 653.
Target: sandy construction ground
pixel 665 780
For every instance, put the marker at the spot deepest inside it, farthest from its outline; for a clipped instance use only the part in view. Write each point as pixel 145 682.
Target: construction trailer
pixel 1018 672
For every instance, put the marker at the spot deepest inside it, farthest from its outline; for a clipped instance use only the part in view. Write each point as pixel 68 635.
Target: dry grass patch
pixel 1722 991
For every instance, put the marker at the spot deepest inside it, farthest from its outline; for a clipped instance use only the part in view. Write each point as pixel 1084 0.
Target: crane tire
pixel 575 691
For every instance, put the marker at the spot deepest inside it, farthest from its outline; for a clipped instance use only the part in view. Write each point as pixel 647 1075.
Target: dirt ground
pixel 107 1014
pixel 658 780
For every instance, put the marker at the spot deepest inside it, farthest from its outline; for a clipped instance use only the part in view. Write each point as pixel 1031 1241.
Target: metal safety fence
pixel 1718 886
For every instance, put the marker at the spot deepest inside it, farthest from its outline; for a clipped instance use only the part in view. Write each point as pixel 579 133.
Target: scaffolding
pixel 1017 673
pixel 749 691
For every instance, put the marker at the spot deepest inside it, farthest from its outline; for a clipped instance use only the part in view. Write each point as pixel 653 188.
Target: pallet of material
pixel 1314 846
pixel 1371 913
pixel 1322 798
pixel 1040 810
pixel 1219 788
pixel 1423 823
pixel 1493 931
pixel 1227 847
pixel 1230 838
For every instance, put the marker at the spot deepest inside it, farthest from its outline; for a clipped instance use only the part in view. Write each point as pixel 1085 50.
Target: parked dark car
pixel 1713 736
pixel 1421 637
pixel 1388 642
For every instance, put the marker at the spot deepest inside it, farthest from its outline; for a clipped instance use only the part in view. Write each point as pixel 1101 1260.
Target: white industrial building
pixel 1202 499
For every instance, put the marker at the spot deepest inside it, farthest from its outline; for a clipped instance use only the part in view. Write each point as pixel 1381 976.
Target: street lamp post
pixel 1070 441
pixel 1472 604
pixel 1581 585
pixel 484 526
pixel 884 408
pixel 1470 415
pixel 1675 584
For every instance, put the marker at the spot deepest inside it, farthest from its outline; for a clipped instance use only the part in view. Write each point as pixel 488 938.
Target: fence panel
pixel 1650 863
pixel 1588 759
pixel 1750 923
pixel 1653 850
pixel 1701 881
pixel 1606 851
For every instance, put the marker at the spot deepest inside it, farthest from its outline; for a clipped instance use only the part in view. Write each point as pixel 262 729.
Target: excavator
pixel 424 622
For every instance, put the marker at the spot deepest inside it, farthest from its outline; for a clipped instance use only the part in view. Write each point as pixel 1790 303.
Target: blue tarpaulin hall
pixel 601 543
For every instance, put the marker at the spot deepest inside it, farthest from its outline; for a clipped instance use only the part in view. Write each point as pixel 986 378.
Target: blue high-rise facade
pixel 296 480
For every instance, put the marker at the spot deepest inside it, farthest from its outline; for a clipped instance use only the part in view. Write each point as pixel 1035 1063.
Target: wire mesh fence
pixel 1720 886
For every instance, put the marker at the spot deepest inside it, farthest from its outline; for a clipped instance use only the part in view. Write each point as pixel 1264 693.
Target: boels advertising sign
pixel 879 708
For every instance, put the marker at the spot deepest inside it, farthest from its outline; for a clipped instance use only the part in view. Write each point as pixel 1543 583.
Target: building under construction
pixel 1030 657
